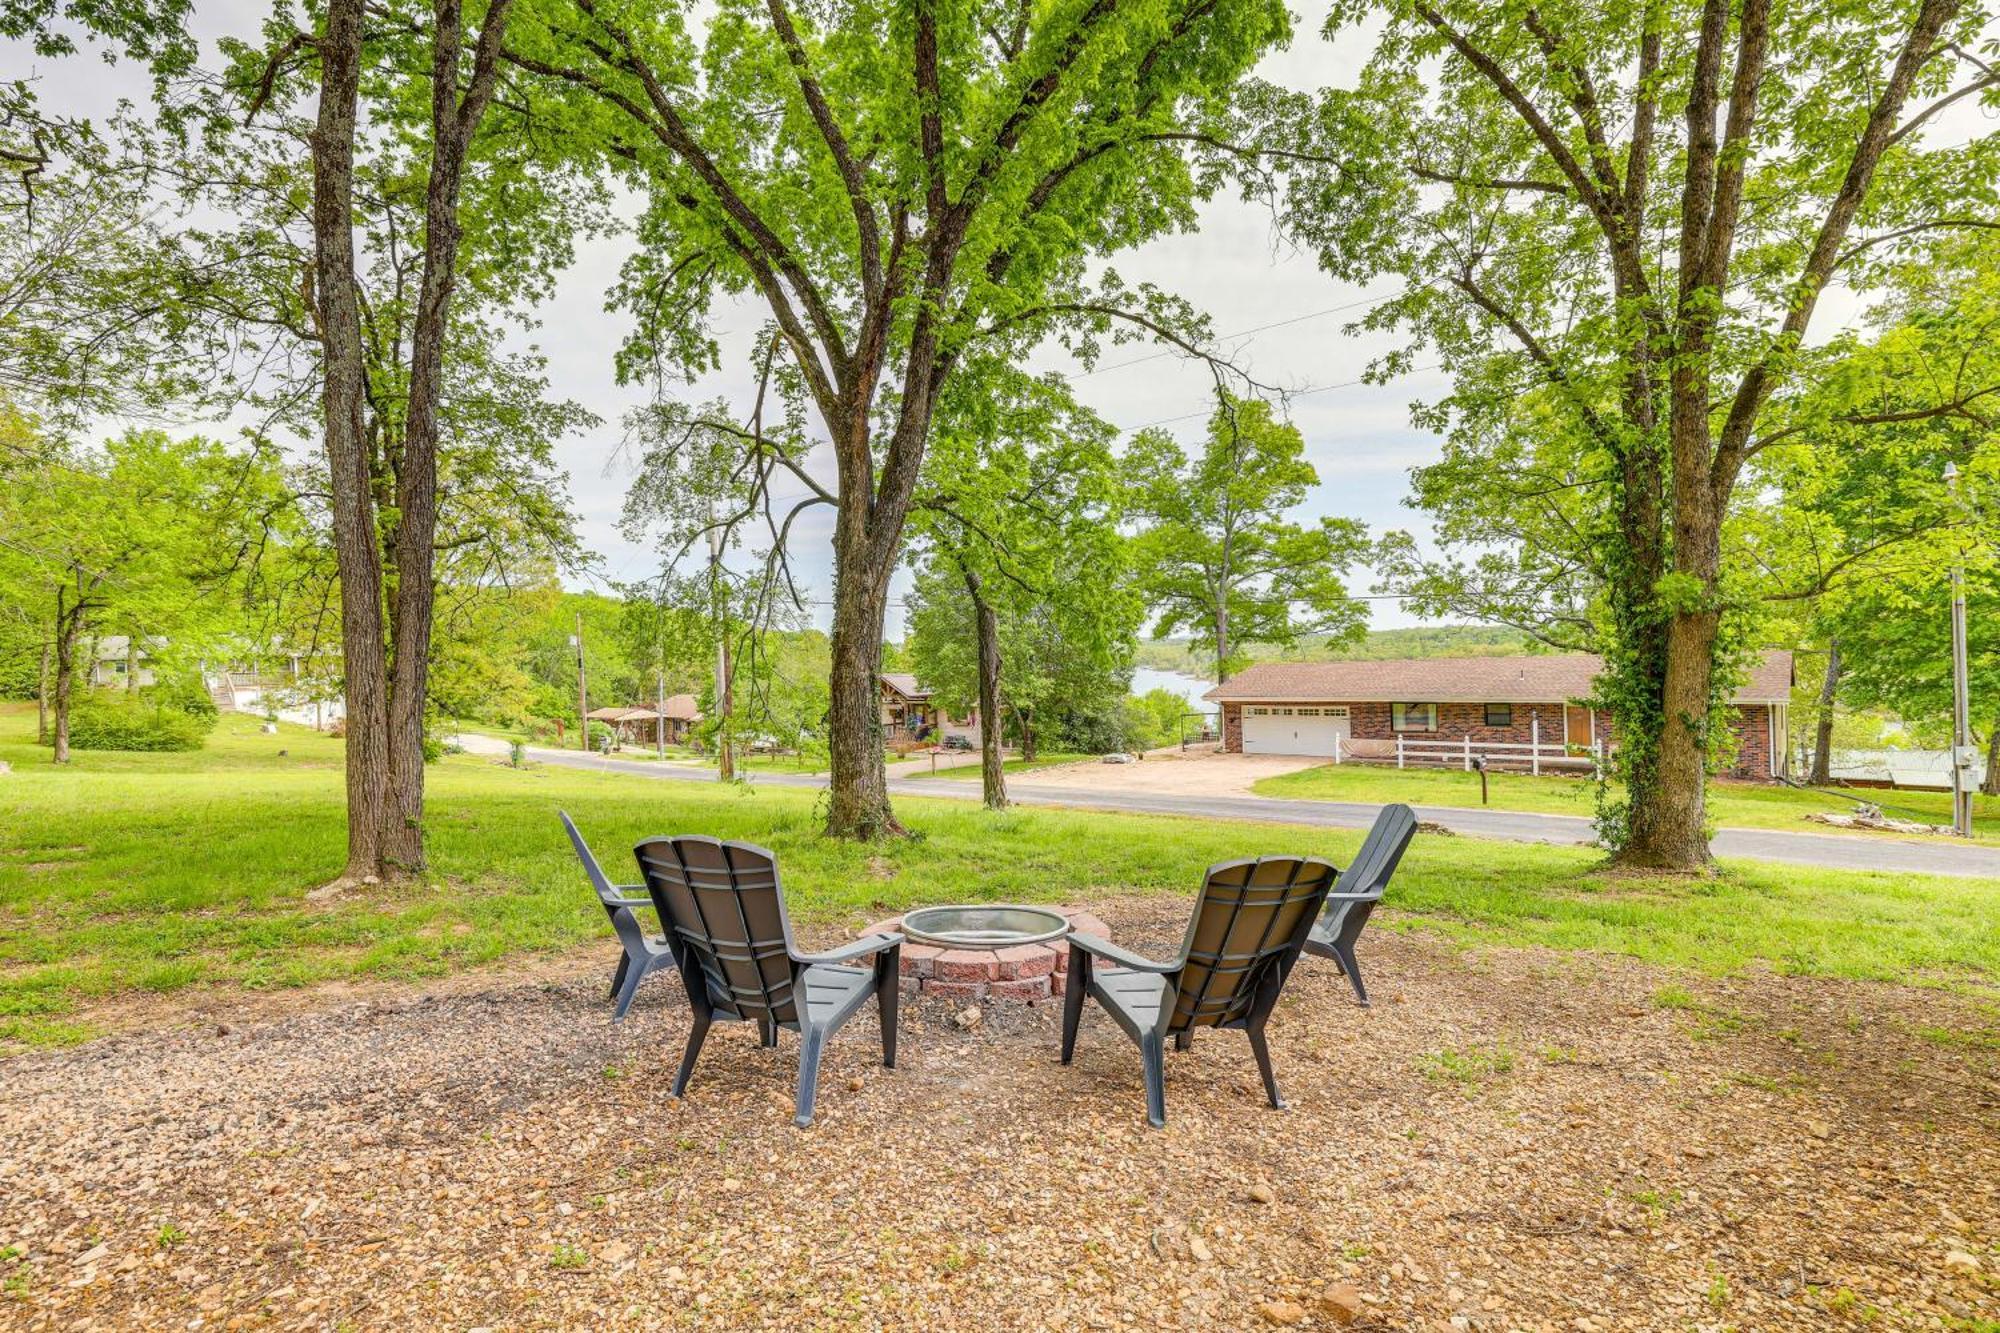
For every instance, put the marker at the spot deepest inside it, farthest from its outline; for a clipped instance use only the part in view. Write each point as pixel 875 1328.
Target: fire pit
pixel 985 951
pixel 984 927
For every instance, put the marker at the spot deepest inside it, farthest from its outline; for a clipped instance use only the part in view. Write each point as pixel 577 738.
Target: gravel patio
pixel 1508 1140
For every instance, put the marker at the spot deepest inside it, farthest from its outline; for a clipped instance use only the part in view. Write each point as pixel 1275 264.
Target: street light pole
pixel 1961 703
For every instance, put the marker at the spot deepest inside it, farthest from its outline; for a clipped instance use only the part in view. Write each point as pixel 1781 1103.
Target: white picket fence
pixel 1533 755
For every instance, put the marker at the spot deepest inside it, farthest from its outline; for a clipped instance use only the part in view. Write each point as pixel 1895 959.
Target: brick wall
pixel 1456 722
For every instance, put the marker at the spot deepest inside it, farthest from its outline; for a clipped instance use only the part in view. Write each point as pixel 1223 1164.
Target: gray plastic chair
pixel 1359 888
pixel 1240 946
pixel 725 918
pixel 643 953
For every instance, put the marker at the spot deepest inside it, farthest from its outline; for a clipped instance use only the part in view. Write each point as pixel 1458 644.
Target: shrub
pixel 185 692
pixel 114 720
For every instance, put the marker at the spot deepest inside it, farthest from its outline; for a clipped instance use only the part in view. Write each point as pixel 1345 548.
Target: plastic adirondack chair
pixel 643 953
pixel 1358 890
pixel 725 917
pixel 1240 946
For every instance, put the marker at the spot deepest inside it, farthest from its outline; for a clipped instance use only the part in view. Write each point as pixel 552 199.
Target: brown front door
pixel 1576 726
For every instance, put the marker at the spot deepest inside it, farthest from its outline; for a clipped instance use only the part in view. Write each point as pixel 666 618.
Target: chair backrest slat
pixel 1251 919
pixel 1369 872
pixel 722 902
pixel 623 923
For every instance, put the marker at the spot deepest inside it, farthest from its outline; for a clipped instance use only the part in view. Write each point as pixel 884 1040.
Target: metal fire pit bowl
pixel 984 926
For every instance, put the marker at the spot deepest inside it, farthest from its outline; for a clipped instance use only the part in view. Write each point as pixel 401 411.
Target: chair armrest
pixel 1111 953
pixel 1373 895
pixel 629 895
pixel 861 948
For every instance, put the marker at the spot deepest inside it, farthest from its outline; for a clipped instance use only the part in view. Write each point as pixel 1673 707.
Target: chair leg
pixel 888 989
pixel 1074 987
pixel 809 1052
pixel 629 978
pixel 767 1030
pixel 696 1035
pixel 1184 1039
pixel 1345 953
pixel 618 977
pixel 1153 1055
pixel 1263 1054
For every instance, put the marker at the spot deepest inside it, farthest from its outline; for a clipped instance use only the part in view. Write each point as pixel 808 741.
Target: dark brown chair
pixel 1240 946
pixel 725 917
pixel 1357 891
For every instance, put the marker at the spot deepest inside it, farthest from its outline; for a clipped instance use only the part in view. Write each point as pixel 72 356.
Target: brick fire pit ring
pixel 1021 972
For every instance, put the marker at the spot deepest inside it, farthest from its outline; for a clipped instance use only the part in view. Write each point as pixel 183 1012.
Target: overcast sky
pixel 1288 319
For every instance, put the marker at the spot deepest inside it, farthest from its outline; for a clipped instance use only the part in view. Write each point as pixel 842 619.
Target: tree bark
pixel 69 623
pixel 1222 638
pixel 1822 764
pixel 1027 718
pixel 992 772
pixel 354 539
pixel 1991 785
pixel 42 697
pixel 857 799
pixel 454 122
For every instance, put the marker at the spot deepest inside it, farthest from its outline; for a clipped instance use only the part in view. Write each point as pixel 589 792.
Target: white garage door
pixel 1268 729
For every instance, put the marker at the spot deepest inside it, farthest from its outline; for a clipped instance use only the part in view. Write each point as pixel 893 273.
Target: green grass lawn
pixel 1730 804
pixel 971 770
pixel 129 873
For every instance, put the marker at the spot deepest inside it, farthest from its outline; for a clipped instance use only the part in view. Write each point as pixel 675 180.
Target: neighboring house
pixel 909 715
pixel 641 725
pixel 121 663
pixel 1521 711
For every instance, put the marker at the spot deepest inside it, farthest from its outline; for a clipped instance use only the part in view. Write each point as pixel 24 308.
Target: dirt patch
pixel 1170 773
pixel 1509 1139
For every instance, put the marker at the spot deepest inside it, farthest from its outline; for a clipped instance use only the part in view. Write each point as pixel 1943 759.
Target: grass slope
pixel 1730 804
pixel 157 873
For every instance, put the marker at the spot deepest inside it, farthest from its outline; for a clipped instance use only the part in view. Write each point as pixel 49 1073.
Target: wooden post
pixel 1535 742
pixel 1399 749
pixel 1468 752
pixel 1336 747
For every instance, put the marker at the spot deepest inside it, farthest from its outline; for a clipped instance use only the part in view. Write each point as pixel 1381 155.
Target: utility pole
pixel 1962 753
pixel 582 693
pixel 725 770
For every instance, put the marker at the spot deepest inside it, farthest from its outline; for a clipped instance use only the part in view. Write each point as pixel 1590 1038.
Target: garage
pixel 1271 729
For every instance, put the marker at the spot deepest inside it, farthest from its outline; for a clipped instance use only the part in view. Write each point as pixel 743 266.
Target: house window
pixel 1309 712
pixel 1499 715
pixel 1413 717
pixel 1259 712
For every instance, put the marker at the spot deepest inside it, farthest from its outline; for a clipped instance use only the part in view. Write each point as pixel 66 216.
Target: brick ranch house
pixel 908 715
pixel 1523 712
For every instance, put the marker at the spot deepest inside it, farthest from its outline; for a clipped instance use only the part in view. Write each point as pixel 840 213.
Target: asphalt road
pixel 1813 849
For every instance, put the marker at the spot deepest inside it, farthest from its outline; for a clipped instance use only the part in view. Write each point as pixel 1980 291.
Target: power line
pixel 1301 393
pixel 1244 333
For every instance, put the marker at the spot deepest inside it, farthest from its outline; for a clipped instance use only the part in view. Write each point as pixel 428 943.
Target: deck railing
pixel 1532 755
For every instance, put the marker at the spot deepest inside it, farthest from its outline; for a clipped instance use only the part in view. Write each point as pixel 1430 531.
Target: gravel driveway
pixel 1508 1140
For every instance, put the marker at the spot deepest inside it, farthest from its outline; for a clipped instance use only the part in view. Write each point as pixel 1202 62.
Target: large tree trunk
pixel 69 622
pixel 1026 716
pixel 858 786
pixel 354 539
pixel 1991 786
pixel 992 772
pixel 1822 764
pixel 453 125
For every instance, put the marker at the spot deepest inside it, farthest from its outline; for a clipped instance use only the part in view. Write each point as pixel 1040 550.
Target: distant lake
pixel 1147 679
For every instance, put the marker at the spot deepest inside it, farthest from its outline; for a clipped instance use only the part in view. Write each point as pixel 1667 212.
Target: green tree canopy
pixel 1218 556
